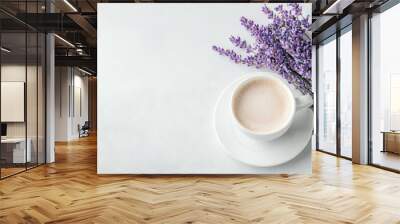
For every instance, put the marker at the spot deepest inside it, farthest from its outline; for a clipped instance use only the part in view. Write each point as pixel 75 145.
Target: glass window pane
pixel 22 90
pixel 13 86
pixel 327 97
pixel 41 98
pixel 32 95
pixel 346 94
pixel 385 87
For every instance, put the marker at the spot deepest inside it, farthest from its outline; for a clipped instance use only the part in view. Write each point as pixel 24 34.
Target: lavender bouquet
pixel 282 46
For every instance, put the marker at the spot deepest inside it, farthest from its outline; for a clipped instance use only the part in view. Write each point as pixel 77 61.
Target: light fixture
pixel 79 51
pixel 84 71
pixel 5 50
pixel 70 5
pixel 338 6
pixel 64 40
pixel 329 9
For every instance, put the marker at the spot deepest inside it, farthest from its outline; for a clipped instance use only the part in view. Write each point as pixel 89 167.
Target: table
pixel 391 141
pixel 16 153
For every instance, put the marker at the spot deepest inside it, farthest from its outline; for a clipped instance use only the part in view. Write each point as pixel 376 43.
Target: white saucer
pixel 260 153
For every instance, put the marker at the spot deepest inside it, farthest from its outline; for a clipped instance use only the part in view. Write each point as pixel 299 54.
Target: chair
pixel 84 130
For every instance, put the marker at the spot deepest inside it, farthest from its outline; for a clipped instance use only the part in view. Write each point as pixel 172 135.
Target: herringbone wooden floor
pixel 70 191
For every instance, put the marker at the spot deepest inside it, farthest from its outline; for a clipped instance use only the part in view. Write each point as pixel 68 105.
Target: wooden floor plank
pixel 70 191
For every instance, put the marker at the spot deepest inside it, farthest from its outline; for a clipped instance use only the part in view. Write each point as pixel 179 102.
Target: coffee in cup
pixel 263 106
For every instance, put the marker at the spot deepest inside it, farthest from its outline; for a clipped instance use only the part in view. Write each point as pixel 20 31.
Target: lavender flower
pixel 241 44
pixel 282 46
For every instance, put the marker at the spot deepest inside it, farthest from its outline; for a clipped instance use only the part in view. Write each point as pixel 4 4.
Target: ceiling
pixel 75 22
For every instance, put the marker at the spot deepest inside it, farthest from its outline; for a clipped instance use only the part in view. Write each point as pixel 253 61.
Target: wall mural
pixel 168 104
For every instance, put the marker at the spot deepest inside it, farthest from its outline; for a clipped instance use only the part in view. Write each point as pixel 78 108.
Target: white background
pixel 158 83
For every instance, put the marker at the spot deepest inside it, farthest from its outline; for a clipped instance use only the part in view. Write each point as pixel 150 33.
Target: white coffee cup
pixel 265 94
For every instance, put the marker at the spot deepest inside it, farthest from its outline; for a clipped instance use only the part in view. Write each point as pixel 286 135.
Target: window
pixel 327 96
pixel 22 77
pixel 334 106
pixel 385 89
pixel 394 102
pixel 346 94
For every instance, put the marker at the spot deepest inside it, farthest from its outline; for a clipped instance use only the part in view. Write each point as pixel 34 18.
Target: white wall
pixel 80 110
pixel 69 82
pixel 61 103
